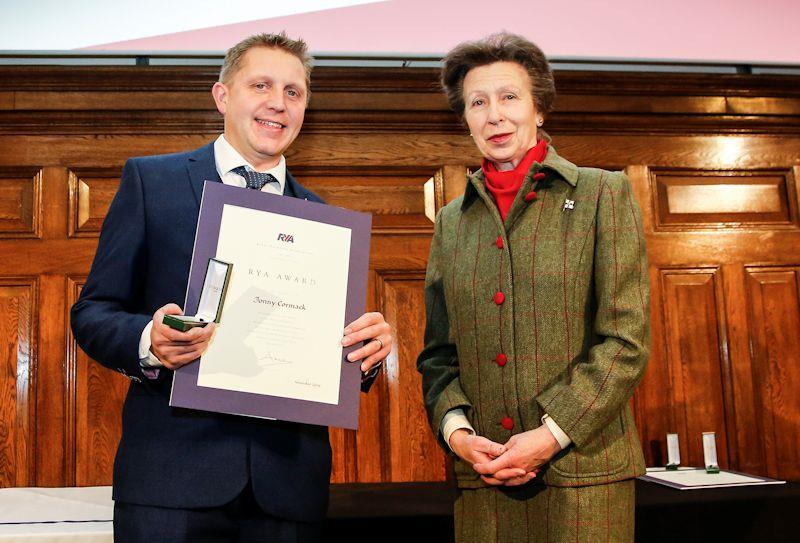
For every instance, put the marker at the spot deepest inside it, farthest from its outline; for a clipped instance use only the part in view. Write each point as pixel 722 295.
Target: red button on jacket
pixel 501 360
pixel 499 298
pixel 538 176
pixel 531 196
pixel 507 423
pixel 499 242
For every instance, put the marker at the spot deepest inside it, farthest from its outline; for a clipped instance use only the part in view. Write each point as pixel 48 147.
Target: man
pixel 183 475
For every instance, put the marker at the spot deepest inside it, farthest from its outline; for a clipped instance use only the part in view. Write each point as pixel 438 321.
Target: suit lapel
pixel 292 187
pixel 202 168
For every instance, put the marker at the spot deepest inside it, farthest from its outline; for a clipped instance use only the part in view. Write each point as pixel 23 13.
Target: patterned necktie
pixel 255 180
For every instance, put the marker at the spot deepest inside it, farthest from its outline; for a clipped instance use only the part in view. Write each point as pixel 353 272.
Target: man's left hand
pixel 373 329
pixel 528 451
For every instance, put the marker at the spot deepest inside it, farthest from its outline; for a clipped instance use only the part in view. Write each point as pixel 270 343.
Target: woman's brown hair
pixel 502 47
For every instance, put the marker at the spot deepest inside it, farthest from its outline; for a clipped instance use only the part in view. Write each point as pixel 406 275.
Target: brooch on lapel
pixel 569 204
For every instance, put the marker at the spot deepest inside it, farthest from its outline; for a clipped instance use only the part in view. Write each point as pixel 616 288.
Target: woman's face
pixel 500 112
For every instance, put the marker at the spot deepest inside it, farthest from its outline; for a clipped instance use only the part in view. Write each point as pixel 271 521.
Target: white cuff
pixel 562 438
pixel 146 357
pixel 372 372
pixel 454 420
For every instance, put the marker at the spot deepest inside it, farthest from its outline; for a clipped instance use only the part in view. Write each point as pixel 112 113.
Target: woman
pixel 537 318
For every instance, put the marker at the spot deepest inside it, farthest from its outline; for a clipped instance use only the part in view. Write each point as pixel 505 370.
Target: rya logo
pixel 288 238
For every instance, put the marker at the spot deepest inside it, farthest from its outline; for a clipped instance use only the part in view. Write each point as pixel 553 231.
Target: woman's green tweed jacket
pixel 573 321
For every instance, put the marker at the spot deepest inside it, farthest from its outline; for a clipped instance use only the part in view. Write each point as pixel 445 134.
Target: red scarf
pixel 504 185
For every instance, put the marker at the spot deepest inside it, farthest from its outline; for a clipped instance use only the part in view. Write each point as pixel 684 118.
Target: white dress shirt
pixel 227 158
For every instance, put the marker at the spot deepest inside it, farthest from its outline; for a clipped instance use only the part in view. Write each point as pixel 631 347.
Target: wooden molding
pixel 20 202
pixel 686 199
pixel 90 194
pixel 176 99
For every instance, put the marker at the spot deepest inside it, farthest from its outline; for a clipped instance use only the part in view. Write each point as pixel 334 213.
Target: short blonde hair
pixel 298 48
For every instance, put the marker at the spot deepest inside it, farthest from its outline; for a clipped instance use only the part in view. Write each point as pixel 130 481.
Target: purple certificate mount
pixel 185 391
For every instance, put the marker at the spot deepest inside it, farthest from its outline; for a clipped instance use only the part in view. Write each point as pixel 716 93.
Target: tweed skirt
pixel 547 514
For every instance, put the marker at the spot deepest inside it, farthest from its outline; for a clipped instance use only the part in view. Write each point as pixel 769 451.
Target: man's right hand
pixel 174 348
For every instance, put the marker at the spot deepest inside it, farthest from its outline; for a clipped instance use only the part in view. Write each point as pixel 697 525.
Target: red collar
pixel 504 185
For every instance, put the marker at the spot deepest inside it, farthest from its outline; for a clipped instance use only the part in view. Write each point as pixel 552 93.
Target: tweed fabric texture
pixel 546 514
pixel 573 323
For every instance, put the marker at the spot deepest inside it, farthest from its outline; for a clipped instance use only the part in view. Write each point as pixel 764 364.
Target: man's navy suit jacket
pixel 168 456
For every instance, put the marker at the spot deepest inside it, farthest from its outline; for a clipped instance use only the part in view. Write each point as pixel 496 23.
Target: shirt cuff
pixel 147 360
pixel 453 420
pixel 372 372
pixel 562 438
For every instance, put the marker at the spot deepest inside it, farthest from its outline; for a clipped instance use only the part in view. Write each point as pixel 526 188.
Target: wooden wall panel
pixel 704 199
pixel 774 303
pixel 20 202
pixel 90 195
pixel 370 441
pixel 344 466
pixel 98 395
pixel 414 452
pixel 653 397
pixel 722 246
pixel 17 382
pixel 695 350
pixel 358 456
pixel 394 196
pixel 381 140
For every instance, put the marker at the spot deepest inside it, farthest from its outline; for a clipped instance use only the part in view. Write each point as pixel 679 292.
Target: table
pixel 56 515
pixel 743 514
pixel 424 512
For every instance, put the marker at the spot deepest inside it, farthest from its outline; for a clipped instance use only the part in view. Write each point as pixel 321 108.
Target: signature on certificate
pixel 271 359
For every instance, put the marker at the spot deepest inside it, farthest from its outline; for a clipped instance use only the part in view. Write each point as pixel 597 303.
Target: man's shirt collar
pixel 227 158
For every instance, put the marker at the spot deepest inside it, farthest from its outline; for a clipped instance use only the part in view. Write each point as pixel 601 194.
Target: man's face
pixel 263 103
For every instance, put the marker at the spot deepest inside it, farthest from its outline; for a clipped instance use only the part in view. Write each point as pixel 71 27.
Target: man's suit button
pixel 530 197
pixel 538 176
pixel 507 423
pixel 499 298
pixel 501 360
pixel 499 242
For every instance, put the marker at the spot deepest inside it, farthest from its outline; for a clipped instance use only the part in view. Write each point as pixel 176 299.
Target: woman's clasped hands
pixel 515 463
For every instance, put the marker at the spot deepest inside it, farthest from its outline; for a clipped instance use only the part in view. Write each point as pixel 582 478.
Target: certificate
pixel 298 276
pixel 686 478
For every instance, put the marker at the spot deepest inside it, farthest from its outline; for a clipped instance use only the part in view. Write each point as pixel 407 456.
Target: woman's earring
pixel 540 122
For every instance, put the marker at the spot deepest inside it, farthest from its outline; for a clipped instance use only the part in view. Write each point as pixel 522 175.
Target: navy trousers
pixel 240 521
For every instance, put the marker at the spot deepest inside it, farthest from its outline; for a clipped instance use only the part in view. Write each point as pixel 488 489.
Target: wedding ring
pixel 379 343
